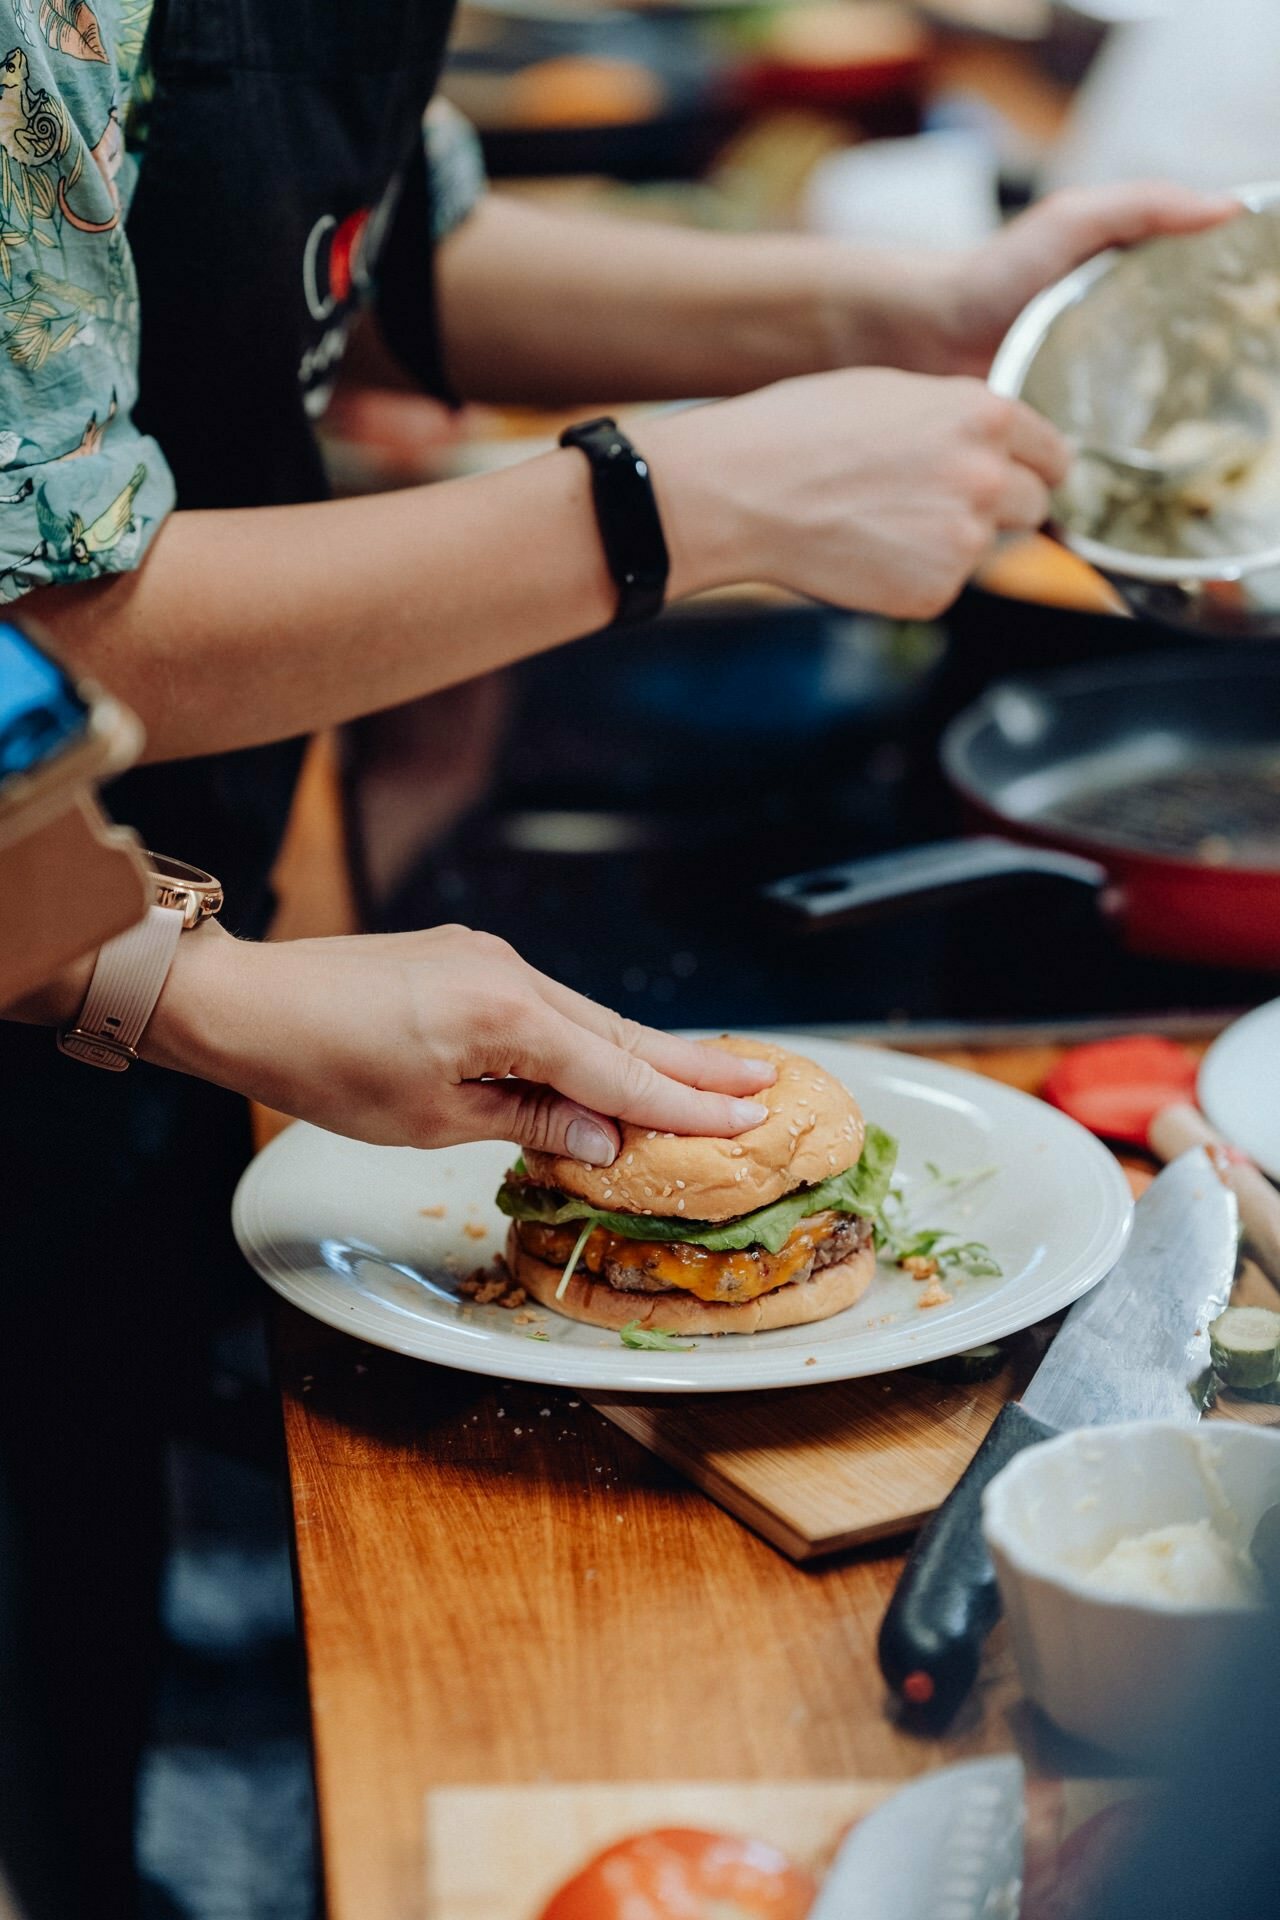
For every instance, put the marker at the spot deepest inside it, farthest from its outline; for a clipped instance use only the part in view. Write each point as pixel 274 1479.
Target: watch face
pixel 178 871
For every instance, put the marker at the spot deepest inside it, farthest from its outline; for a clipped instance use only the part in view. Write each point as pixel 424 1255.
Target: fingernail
pixel 590 1143
pixel 764 1068
pixel 749 1113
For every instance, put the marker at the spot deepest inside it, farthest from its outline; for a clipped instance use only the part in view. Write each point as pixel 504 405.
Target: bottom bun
pixel 793 1305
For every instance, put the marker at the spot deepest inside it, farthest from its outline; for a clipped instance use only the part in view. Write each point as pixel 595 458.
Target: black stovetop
pixel 647 787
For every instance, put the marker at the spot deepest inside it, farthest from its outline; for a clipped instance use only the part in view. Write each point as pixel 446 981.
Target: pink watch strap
pixel 127 980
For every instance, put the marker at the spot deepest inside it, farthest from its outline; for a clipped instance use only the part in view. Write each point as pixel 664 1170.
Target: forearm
pixel 393 1038
pixel 556 308
pixel 254 624
pixel 874 489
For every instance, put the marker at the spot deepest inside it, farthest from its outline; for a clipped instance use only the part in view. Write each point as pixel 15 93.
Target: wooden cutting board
pixel 499 1853
pixel 819 1469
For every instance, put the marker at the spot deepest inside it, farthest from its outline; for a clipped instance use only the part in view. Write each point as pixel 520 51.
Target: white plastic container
pixel 1122 1673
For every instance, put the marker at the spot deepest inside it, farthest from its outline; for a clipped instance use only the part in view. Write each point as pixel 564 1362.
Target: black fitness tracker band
pixel 630 525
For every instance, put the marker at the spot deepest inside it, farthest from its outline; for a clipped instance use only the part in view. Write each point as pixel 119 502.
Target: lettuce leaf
pixel 652 1338
pixel 861 1189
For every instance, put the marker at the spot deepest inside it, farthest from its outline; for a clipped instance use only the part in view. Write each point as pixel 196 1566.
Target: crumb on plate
pixel 493 1286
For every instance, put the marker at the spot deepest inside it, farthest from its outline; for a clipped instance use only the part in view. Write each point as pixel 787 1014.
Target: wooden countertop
pixel 498 1586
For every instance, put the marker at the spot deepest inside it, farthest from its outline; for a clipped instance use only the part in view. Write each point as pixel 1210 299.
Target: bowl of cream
pixel 1127 1573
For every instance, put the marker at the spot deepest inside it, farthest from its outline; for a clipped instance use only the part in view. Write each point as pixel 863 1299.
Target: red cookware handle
pixel 887 882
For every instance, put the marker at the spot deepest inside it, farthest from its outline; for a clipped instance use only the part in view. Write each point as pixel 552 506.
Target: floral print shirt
pixel 82 491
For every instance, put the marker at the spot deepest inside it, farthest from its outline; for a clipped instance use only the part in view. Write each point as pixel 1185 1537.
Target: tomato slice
pixel 1117 1087
pixel 679 1873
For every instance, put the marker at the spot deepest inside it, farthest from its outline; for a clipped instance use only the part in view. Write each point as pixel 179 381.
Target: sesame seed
pixel 736 1153
pixel 630 1158
pixel 680 1185
pixel 679 1206
pixel 651 1136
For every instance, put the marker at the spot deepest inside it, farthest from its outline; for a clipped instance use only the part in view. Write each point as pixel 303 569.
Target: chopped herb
pixel 971 1178
pixel 899 1240
pixel 912 1246
pixel 588 1228
pixel 971 1256
pixel 537 1336
pixel 651 1338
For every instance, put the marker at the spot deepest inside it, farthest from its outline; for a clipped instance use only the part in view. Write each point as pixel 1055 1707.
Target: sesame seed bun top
pixel 814 1130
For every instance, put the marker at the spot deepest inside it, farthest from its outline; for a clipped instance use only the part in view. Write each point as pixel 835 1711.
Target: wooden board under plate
pixel 824 1468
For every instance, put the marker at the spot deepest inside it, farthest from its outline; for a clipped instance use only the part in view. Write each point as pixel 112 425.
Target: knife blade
pixel 1131 1349
pixel 951 1843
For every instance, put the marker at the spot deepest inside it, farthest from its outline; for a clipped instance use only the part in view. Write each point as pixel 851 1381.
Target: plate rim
pixel 654 1373
pixel 1208 1073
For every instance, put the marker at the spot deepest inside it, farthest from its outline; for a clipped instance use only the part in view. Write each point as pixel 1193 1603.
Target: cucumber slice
pixel 1244 1345
pixel 966 1369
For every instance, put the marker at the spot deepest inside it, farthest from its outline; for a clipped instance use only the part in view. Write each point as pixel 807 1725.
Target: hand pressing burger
pixel 427 1039
pixel 771 1228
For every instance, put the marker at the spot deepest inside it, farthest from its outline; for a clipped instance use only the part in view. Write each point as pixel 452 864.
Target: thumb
pixel 537 1117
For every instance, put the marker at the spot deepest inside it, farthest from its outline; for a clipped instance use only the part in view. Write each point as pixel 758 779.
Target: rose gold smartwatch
pixel 131 970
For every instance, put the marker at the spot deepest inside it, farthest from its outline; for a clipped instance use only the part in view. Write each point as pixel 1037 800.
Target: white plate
pixel 1239 1085
pixel 339 1229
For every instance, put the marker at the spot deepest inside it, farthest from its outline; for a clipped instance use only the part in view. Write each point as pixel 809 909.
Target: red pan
pixel 1155 781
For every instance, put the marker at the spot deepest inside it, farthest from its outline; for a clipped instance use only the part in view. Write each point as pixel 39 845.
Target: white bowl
pixel 1124 1674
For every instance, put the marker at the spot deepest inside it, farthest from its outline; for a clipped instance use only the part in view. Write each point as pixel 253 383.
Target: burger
pixel 775 1228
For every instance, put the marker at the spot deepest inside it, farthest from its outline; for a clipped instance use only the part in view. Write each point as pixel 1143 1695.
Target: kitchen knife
pixel 1134 1348
pixel 948 1844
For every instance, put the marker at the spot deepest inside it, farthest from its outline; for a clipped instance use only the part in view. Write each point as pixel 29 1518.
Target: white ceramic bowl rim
pixel 1008 373
pixel 999 1530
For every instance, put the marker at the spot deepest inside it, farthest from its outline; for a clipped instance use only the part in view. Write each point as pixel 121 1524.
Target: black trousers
pixel 117 1264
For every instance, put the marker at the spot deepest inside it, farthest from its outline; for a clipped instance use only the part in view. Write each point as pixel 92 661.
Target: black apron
pixel 283 158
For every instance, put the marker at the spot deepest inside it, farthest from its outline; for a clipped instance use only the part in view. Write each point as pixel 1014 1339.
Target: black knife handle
pixel 946 1602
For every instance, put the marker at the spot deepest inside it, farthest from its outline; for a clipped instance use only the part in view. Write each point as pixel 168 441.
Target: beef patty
pixel 677 1266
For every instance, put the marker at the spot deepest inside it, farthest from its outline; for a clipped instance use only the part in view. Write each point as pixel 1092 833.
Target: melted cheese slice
pixel 723 1277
